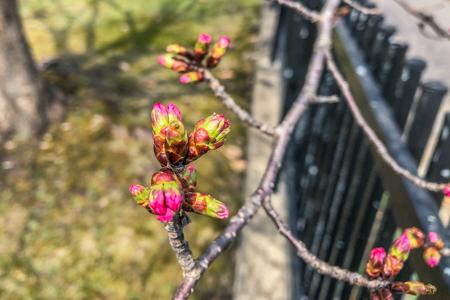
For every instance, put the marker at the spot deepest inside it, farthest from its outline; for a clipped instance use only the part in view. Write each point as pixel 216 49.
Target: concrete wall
pixel 263 258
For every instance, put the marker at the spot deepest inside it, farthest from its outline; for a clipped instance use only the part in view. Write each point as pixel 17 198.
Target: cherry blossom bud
pixel 189 177
pixel 447 191
pixel 220 47
pixel 392 266
pixel 376 261
pixel 159 118
pixel 165 197
pixel 202 45
pixel 208 134
pixel 191 77
pixel 432 257
pixel 169 135
pixel 218 51
pixel 140 194
pixel 381 294
pixel 435 240
pixel 168 61
pixel 178 49
pixel 205 205
pixel 415 236
pixel 415 288
pixel 163 176
pixel 401 247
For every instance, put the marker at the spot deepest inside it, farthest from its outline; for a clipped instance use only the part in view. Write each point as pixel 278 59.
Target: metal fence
pixel 344 199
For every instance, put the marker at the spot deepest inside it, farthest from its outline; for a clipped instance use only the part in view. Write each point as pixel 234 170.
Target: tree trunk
pixel 22 93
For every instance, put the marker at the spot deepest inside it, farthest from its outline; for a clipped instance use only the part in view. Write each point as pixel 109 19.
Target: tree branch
pixel 284 131
pixel 365 10
pixel 180 246
pixel 300 8
pixel 314 262
pixel 228 101
pixel 370 133
pixel 425 19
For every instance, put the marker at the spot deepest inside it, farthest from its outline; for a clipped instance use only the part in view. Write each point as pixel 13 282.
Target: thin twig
pixel 365 10
pixel 314 262
pixel 284 130
pixel 425 19
pixel 228 101
pixel 371 135
pixel 309 14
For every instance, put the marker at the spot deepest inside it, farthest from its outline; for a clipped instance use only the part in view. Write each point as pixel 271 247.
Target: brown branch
pixel 228 101
pixel 363 9
pixel 309 14
pixel 314 262
pixel 371 135
pixel 425 19
pixel 284 130
pixel 180 246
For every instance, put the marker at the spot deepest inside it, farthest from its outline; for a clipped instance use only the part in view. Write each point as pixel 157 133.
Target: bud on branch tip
pixel 192 62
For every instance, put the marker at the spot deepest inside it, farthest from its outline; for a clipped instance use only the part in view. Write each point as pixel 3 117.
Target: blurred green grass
pixel 69 227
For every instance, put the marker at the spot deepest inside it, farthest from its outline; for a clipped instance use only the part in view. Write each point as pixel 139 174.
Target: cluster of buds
pixel 433 247
pixel 171 190
pixel 386 266
pixel 173 147
pixel 190 63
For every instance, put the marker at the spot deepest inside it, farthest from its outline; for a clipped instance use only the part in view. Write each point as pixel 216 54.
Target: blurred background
pixel 69 228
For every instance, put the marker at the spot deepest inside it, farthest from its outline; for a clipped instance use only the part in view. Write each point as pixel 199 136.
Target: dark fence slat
pixel 409 83
pixel 433 93
pixel 397 55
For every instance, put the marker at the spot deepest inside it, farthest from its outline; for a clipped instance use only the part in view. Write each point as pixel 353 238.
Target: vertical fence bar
pixel 409 82
pixel 433 93
pixel 397 55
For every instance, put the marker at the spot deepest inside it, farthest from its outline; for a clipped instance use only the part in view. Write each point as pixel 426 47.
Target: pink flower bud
pixel 168 61
pixel 209 134
pixel 218 51
pixel 191 77
pixel 202 45
pixel 189 177
pixel 432 257
pixel 136 189
pixel 169 136
pixel 392 266
pixel 158 117
pixel 415 236
pixel 447 191
pixel 165 196
pixel 433 237
pixel 205 205
pixel 177 49
pixel 401 247
pixel 435 240
pixel 163 176
pixel 220 47
pixel 414 288
pixel 376 261
pixel 140 194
